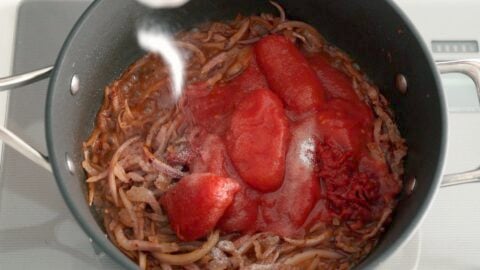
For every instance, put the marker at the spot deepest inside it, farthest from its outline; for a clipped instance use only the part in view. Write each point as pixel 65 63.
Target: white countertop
pixel 8 19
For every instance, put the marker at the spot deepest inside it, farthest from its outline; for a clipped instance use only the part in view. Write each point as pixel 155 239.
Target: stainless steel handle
pixel 24 79
pixel 471 68
pixel 461 178
pixel 24 148
pixel 9 137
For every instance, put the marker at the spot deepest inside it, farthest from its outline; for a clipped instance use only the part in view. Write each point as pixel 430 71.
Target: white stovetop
pixel 450 235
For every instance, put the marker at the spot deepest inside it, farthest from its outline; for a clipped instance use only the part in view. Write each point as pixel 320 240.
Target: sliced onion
pixel 256 22
pixel 258 249
pixel 258 266
pixel 249 41
pixel 91 193
pixel 314 264
pixel 96 178
pixel 241 63
pixel 141 194
pixel 128 111
pixel 113 163
pixel 214 28
pixel 189 46
pixel 281 11
pixel 163 142
pixel 188 258
pixel 156 217
pixel 220 45
pixel 87 166
pixel 309 242
pixel 161 139
pixel 227 246
pixel 245 242
pixel 310 32
pixel 133 245
pixel 215 61
pixel 310 254
pixel 120 173
pixel 142 260
pixel 218 37
pixel 191 266
pixel 159 238
pixel 125 219
pixel 214 79
pixel 155 127
pixel 129 207
pixel 271 255
pixel 380 223
pixel 163 167
pixel 135 177
pixel 165 266
pixel 92 138
pixel 238 35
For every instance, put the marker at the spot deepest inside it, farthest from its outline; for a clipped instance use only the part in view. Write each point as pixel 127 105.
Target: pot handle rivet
pixel 401 83
pixel 74 85
pixel 70 164
pixel 410 185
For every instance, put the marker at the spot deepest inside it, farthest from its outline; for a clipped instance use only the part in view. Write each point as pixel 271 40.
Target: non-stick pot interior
pixel 373 32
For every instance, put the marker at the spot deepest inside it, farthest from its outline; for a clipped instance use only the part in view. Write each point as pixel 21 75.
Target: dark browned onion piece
pixel 163 167
pixel 215 61
pixel 113 163
pixel 310 33
pixel 241 32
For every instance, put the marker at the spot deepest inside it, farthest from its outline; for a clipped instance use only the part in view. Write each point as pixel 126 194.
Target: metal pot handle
pixel 9 137
pixel 25 78
pixel 471 68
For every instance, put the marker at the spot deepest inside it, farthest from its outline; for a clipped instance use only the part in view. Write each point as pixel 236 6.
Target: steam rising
pixel 160 42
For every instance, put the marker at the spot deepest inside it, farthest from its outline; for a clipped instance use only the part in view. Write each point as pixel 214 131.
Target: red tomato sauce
pixel 293 134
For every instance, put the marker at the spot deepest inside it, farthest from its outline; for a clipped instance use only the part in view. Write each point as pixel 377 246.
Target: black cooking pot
pixel 374 32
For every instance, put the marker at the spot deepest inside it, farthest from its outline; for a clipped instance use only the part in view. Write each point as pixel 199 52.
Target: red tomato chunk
pixel 289 74
pixel 197 202
pixel 285 210
pixel 257 140
pixel 241 216
pixel 211 108
pixel 335 83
